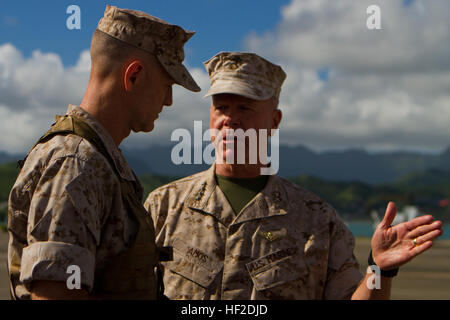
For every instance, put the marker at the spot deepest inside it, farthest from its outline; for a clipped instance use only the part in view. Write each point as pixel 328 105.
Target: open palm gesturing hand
pixel 395 246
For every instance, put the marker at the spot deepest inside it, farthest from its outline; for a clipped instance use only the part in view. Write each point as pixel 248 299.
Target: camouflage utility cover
pixel 245 74
pixel 285 244
pixel 66 209
pixel 156 36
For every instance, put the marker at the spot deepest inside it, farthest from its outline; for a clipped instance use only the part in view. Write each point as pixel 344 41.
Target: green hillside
pixel 8 174
pixel 433 181
pixel 150 182
pixel 353 200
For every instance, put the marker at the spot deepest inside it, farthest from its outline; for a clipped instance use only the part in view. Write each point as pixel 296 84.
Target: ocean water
pixel 359 229
pixel 365 229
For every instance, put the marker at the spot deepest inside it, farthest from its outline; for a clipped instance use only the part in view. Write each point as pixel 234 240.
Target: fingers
pixel 425 241
pixel 416 222
pixel 423 229
pixel 421 248
pixel 428 237
pixel 389 215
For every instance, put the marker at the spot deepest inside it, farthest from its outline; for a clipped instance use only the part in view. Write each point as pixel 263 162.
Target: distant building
pixel 406 214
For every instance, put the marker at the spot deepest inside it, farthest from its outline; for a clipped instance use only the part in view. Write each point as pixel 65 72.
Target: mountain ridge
pixel 346 165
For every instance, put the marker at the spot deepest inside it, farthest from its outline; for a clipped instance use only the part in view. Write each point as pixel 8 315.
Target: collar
pixel 119 161
pixel 271 201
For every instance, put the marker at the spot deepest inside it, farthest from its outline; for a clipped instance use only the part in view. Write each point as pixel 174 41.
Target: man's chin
pixel 148 127
pixel 230 156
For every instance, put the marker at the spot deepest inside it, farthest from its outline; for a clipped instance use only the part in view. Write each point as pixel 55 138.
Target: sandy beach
pixel 426 277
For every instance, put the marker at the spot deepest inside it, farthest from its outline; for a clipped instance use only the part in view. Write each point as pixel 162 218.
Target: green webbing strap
pixel 64 125
pixel 72 125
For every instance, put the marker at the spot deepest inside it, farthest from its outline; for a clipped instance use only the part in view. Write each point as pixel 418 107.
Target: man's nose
pixel 231 118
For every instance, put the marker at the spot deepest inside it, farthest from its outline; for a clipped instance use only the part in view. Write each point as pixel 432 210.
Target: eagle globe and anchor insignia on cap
pixel 245 74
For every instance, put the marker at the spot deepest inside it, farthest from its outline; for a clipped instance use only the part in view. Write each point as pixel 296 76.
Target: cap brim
pixel 237 87
pixel 179 73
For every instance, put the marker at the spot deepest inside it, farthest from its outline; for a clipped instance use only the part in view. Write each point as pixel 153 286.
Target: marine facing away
pixel 76 201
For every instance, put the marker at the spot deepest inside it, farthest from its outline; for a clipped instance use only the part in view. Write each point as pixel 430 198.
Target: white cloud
pixel 40 82
pixel 16 129
pixel 34 89
pixel 386 89
pixel 321 33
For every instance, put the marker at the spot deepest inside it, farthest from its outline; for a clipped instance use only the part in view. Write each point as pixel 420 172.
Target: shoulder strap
pixel 68 124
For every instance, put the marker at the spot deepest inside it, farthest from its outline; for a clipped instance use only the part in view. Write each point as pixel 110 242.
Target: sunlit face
pixel 230 111
pixel 153 93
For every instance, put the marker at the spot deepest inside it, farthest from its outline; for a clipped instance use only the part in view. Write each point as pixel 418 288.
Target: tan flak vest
pixel 133 274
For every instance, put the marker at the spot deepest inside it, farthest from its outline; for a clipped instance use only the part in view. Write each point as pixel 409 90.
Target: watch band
pixel 384 273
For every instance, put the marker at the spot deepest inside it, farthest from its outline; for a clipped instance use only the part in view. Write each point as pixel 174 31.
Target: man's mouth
pixel 228 135
pixel 228 138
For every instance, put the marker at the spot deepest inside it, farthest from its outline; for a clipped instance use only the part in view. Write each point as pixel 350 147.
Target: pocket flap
pixel 276 268
pixel 193 264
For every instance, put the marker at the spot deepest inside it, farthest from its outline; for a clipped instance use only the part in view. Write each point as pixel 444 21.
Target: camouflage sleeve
pixel 64 221
pixel 157 208
pixel 150 210
pixel 343 268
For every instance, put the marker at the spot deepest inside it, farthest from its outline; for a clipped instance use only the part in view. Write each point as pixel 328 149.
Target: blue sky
pixel 346 86
pixel 220 25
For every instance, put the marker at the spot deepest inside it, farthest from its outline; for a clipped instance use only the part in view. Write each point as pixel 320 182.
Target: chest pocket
pixel 277 268
pixel 193 263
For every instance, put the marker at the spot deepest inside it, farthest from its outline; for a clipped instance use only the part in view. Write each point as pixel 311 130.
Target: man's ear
pixel 276 118
pixel 132 72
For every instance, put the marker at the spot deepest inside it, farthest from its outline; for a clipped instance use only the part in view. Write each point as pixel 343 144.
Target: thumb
pixel 389 216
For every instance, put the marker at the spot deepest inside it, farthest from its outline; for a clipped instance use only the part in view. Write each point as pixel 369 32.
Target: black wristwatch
pixel 385 273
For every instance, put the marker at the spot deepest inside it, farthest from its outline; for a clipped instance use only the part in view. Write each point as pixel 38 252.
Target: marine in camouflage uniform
pixel 77 202
pixel 285 243
pixel 239 235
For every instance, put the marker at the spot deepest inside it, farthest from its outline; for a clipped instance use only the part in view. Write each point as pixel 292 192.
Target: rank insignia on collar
pixel 200 192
